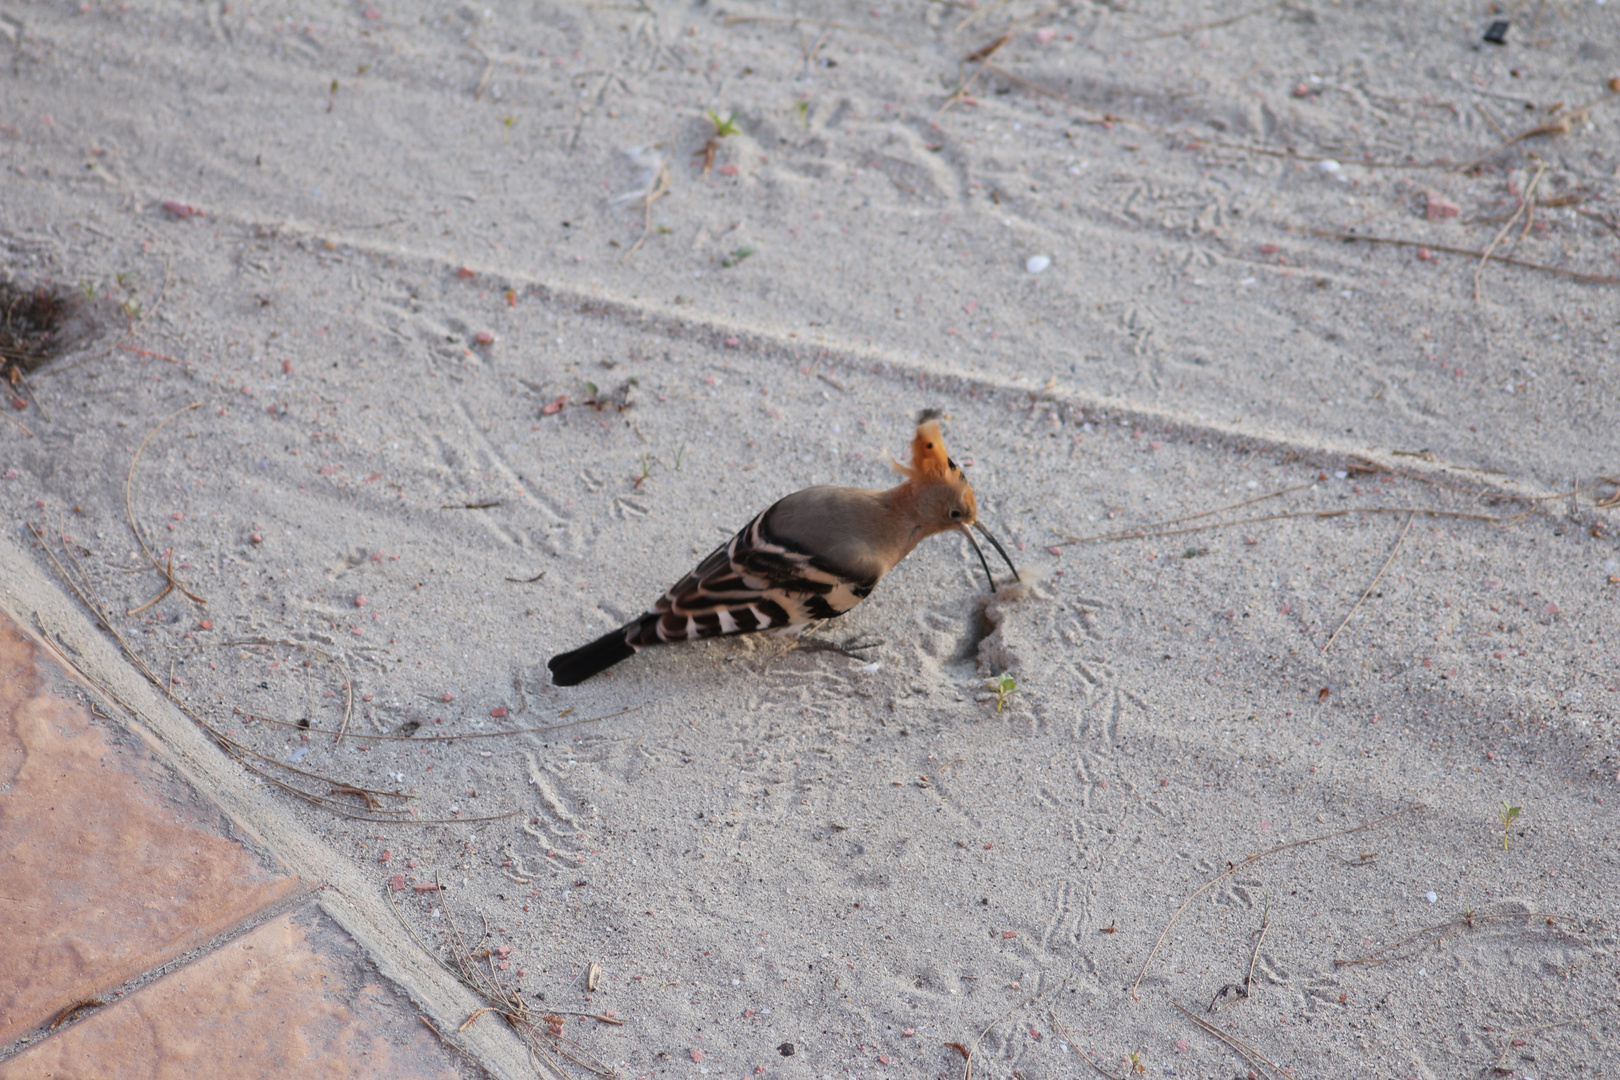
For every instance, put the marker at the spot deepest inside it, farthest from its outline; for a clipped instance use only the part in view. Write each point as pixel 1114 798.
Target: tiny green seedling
pixel 1005 686
pixel 646 471
pixel 678 455
pixel 737 256
pixel 724 125
pixel 804 112
pixel 508 121
pixel 1137 1065
pixel 1510 814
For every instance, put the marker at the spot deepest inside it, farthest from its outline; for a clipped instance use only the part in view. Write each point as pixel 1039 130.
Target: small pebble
pixel 484 337
pixel 1036 263
pixel 1431 898
pixel 1327 166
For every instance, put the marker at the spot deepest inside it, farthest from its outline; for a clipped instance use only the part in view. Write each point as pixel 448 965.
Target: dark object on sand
pixel 1496 33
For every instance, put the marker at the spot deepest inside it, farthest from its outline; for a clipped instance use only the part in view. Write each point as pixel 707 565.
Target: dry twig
pixel 1441 932
pixel 1371 585
pixel 1233 868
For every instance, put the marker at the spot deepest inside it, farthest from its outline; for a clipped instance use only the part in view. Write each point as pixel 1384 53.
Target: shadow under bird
pixel 809 557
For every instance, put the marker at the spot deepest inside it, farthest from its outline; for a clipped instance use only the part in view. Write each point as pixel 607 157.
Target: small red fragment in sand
pixel 257 538
pixel 987 847
pixel 370 12
pixel 1425 254
pixel 359 601
pixel 1181 1045
pixel 178 515
pixel 205 624
pixel 1054 551
pixel 397 883
pixel 747 1013
pixel 1301 90
pixel 484 337
pixel 286 367
pixel 498 712
pixel 555 406
pixel 1499 656
pixel 1265 826
pixel 385 856
pixel 729 169
pixel 328 470
pixel 426 886
pixel 181 210
pixel 1155 445
pixel 731 342
pixel 697 1055
pixel 11 474
pixel 1550 609
pixel 1045 34
pixel 908 1033
pixel 448 696
pixel 1428 663
pixel 18 404
pixel 465 273
pixel 504 964
pixel 412 864
pixel 1268 249
pixel 1009 933
pixel 1438 207
pixel 524 971
pixel 1490 755
pixel 883 1059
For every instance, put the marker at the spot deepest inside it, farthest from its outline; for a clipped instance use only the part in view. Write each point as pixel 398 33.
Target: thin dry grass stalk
pixel 1233 868
pixel 1372 584
pixel 473 965
pixel 1255 1057
pixel 253 761
pixel 1436 934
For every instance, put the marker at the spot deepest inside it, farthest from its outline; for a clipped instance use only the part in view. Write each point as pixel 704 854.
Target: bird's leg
pixel 851 647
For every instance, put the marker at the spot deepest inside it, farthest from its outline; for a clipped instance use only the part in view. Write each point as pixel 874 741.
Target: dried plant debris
pixel 40 322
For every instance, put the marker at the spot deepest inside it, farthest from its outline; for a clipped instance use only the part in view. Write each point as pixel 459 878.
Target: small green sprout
pixel 804 112
pixel 508 121
pixel 646 471
pixel 737 256
pixel 724 125
pixel 1136 1064
pixel 1510 814
pixel 678 455
pixel 1005 687
pixel 131 310
pixel 88 288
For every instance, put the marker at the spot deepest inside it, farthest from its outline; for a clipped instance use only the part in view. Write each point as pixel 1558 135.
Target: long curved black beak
pixel 988 535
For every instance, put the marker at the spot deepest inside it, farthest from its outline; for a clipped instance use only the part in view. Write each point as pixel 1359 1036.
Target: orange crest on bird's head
pixel 929 461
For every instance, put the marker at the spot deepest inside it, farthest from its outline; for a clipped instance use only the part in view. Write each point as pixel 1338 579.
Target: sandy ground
pixel 450 420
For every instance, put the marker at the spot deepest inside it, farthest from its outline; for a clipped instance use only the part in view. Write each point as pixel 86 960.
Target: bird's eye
pixel 956 514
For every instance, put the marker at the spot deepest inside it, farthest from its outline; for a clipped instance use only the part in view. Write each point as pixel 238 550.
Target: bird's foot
pixel 850 647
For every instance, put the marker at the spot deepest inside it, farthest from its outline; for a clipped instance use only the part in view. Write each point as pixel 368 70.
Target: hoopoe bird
pixel 809 557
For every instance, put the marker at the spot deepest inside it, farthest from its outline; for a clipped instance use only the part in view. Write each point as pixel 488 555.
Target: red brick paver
pixel 109 864
pixel 283 1001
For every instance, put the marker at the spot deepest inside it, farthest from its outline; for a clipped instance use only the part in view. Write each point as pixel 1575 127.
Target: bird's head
pixel 941 495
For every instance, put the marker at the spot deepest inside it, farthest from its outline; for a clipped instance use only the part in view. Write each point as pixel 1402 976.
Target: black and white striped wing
pixel 755 581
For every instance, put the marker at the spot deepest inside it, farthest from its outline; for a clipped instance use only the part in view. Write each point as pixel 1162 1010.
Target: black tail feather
pixel 573 668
